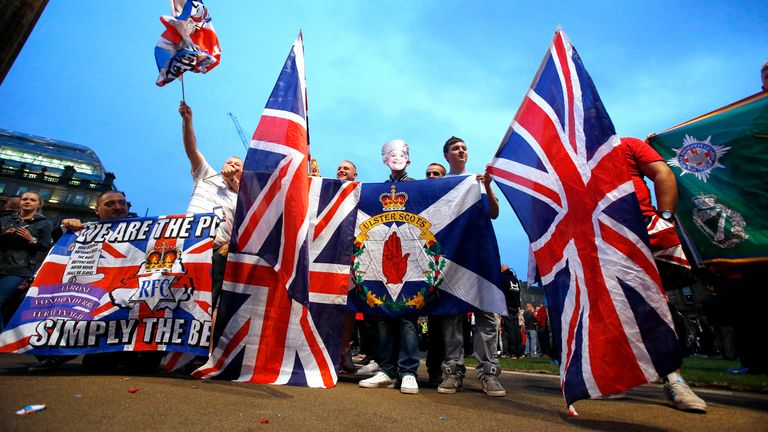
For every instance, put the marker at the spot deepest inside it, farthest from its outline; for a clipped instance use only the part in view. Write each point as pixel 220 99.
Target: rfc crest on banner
pixel 156 276
pixel 395 247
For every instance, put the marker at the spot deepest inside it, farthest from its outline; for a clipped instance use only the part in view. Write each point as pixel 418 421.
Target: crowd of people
pixel 388 347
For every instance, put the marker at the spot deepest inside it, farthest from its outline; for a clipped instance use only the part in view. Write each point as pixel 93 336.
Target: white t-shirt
pixel 211 192
pixel 482 189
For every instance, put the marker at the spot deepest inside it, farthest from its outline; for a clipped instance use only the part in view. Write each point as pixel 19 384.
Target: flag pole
pixel 183 98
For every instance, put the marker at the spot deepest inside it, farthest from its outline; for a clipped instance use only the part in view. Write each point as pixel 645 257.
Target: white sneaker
pixel 682 397
pixel 371 368
pixel 408 385
pixel 379 380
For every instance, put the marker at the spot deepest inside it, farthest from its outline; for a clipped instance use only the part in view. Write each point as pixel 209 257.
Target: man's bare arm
pixel 493 210
pixel 190 141
pixel 664 184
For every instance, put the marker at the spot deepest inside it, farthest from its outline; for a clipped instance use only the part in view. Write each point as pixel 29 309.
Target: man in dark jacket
pixel 512 339
pixel 531 335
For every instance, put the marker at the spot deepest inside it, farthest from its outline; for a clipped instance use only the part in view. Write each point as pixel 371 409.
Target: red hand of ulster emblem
pixel 393 262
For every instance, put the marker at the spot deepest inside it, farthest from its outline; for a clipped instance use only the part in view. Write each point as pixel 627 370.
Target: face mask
pixel 396 160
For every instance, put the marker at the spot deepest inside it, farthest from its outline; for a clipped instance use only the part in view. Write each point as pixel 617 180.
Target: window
pixel 76 199
pixel 47 161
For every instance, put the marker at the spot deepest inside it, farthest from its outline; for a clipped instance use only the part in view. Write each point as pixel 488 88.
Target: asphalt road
pixel 77 401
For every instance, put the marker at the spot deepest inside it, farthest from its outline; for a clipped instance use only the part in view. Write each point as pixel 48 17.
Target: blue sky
pixel 419 71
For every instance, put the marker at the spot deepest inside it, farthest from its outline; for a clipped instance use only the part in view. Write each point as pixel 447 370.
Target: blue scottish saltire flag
pixel 189 42
pixel 425 248
pixel 562 171
pixel 288 267
pixel 125 285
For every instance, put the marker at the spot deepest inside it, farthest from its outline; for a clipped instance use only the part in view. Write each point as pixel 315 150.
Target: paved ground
pixel 78 402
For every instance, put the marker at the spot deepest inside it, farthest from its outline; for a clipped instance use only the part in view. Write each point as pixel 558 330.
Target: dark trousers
pixel 219 262
pixel 512 340
pixel 369 337
pixel 436 348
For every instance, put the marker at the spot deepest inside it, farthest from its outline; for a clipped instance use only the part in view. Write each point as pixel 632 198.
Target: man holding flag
pixel 213 192
pixel 719 159
pixel 643 161
pixel 484 338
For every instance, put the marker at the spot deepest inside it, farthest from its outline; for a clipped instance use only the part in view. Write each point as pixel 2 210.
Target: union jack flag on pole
pixel 560 167
pixel 189 42
pixel 273 325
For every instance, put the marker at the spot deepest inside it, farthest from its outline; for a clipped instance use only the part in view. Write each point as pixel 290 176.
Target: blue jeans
pixel 8 285
pixel 398 347
pixel 531 342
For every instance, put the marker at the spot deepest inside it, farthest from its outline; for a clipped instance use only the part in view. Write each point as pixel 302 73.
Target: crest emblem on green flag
pixel 698 157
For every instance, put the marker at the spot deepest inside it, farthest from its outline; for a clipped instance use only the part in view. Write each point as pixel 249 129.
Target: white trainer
pixel 408 385
pixel 370 369
pixel 379 380
pixel 682 397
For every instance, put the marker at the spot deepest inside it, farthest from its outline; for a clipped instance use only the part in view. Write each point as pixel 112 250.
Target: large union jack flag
pixel 276 324
pixel 561 169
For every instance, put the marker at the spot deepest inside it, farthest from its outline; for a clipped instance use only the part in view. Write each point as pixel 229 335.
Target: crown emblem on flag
pixel 393 200
pixel 161 258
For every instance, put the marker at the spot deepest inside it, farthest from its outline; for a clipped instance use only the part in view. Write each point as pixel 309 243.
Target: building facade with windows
pixel 68 176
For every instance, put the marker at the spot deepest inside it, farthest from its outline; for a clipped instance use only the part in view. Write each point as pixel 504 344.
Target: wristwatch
pixel 33 241
pixel 667 215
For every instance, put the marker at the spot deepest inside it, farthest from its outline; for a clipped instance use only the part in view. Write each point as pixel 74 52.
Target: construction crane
pixel 239 130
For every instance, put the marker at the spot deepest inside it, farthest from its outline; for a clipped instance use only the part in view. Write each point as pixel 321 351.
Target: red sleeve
pixel 638 153
pixel 641 151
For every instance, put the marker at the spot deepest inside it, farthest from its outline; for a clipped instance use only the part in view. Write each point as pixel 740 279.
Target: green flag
pixel 721 163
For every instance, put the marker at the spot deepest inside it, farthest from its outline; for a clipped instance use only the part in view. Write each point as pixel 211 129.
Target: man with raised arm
pixel 213 192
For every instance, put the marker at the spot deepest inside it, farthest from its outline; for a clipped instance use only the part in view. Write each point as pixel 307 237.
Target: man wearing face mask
pixel 398 337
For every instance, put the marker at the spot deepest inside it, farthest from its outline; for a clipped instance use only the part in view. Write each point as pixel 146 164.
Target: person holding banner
pixel 436 347
pixel 347 171
pixel 398 337
pixel 23 234
pixel 485 338
pixel 110 205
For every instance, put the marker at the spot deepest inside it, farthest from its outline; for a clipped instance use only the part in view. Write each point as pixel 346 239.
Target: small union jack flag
pixel 287 277
pixel 189 42
pixel 562 171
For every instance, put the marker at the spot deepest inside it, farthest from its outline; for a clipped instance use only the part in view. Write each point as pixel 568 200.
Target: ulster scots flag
pixel 425 248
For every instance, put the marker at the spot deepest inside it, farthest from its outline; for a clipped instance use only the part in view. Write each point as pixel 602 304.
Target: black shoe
pixel 434 381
